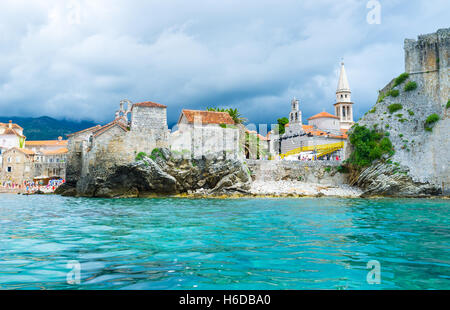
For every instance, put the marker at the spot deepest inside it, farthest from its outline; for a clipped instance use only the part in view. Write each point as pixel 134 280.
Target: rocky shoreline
pixel 164 175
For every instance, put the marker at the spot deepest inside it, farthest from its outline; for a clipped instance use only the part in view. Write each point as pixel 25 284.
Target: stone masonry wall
pixel 318 172
pixel 148 118
pixel 422 155
pixel 202 140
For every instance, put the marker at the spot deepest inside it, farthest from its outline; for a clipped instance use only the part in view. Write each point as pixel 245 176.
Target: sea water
pixel 52 242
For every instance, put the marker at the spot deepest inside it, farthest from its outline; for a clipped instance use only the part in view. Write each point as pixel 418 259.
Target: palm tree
pixel 236 116
pixel 234 113
pixel 216 109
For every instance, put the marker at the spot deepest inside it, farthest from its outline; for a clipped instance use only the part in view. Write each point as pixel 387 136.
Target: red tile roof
pixel 309 129
pixel 60 151
pixel 109 126
pixel 149 104
pixel 97 127
pixel 323 115
pixel 46 143
pixel 9 131
pixel 14 126
pixel 208 117
pixel 24 151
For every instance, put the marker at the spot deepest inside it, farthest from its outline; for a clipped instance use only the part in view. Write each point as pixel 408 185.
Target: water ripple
pixel 223 244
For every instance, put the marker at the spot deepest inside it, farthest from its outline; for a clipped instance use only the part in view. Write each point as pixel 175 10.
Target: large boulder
pixel 382 179
pixel 165 174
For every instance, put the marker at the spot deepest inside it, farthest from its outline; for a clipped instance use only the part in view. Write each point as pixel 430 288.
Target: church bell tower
pixel 344 105
pixel 295 117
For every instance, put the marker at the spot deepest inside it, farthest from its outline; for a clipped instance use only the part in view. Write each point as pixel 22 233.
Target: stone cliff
pixel 163 173
pixel 413 110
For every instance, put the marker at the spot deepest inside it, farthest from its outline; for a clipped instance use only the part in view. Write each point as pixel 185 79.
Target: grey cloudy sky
pixel 77 59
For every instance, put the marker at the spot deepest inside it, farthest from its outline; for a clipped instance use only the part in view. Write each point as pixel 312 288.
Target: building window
pixel 17 159
pixel 9 169
pixel 9 159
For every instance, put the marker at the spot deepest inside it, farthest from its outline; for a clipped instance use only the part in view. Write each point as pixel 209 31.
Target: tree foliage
pixel 281 124
pixel 411 85
pixel 368 145
pixel 234 113
pixel 400 79
pixel 394 107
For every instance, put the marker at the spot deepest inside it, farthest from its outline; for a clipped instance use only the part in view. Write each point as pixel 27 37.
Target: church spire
pixel 343 92
pixel 343 82
pixel 344 105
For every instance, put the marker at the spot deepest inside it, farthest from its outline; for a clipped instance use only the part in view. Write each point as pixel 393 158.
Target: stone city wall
pixel 318 172
pixel 148 118
pixel 203 140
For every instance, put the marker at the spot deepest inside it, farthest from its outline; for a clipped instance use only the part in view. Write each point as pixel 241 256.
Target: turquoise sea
pixel 310 243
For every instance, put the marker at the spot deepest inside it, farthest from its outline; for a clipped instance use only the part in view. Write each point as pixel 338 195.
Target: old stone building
pixel 139 127
pixel 46 145
pixel 23 165
pixel 11 135
pixel 203 133
pixel 29 161
pixel 17 166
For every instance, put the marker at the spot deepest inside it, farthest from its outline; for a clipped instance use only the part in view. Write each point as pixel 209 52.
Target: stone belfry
pixel 295 117
pixel 343 105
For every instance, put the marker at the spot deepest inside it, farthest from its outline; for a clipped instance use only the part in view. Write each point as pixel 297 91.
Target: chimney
pixel 10 124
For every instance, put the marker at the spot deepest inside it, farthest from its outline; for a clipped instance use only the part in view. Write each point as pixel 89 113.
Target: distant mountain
pixel 47 128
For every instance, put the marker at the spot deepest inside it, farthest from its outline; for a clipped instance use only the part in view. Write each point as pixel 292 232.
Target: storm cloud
pixel 77 59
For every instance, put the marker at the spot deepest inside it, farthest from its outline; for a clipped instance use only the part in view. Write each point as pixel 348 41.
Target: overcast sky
pixel 78 59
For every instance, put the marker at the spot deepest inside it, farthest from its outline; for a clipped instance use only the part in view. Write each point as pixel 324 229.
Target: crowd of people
pixel 33 186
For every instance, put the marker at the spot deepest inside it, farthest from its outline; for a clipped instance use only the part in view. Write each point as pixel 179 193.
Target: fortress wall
pixel 318 172
pixel 148 118
pixel 204 140
pixel 424 155
pixel 428 58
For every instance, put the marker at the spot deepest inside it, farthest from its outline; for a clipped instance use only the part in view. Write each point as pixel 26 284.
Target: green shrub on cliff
pixel 394 107
pixel 433 118
pixel 429 122
pixel 411 85
pixel 140 156
pixel 156 152
pixel 381 97
pixel 393 93
pixel 448 104
pixel 400 79
pixel 368 145
pixel 342 169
